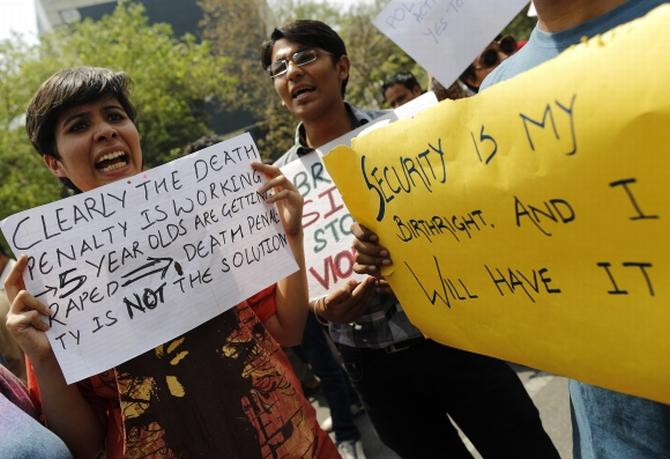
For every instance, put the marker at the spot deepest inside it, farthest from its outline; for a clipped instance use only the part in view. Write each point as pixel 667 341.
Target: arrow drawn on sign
pixel 49 289
pixel 153 266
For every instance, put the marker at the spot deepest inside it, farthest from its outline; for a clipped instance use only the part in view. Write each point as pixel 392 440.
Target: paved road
pixel 550 394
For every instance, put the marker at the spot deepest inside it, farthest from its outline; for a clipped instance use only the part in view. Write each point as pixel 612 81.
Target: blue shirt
pixel 543 46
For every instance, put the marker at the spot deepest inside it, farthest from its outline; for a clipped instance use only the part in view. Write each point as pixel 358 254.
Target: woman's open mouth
pixel 112 161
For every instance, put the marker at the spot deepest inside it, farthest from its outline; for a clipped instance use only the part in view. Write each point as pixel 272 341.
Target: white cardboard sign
pixel 133 264
pixel 445 36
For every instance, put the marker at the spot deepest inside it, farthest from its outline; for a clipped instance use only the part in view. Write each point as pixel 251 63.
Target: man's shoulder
pixel 363 115
pixel 290 155
pixel 524 59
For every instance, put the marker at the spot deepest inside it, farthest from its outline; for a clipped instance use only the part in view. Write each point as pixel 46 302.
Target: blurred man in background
pixel 400 89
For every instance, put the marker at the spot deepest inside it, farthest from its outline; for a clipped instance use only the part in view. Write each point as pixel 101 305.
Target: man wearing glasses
pixel 408 383
pixel 316 98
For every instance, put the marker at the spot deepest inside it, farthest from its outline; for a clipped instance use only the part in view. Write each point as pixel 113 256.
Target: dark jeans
pixel 409 393
pixel 334 381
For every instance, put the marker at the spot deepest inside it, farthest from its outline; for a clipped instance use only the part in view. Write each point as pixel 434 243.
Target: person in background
pixel 22 435
pixel 495 53
pixel 400 89
pixel 468 83
pixel 342 399
pixel 10 352
pixel 409 385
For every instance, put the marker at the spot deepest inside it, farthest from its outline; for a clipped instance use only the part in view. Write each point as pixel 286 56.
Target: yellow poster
pixel 531 222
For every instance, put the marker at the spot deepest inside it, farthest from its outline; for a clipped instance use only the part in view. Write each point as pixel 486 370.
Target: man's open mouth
pixel 302 90
pixel 112 161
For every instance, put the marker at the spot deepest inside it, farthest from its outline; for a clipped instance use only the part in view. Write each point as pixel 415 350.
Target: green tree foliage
pixel 173 80
pixel 237 30
pixel 290 10
pixel 24 181
pixel 374 57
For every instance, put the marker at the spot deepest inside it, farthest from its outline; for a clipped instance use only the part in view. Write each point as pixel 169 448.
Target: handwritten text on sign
pixel 529 222
pixel 130 265
pixel 326 224
pixel 445 36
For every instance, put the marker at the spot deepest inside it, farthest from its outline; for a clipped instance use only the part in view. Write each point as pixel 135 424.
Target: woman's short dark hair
pixel 310 33
pixel 68 88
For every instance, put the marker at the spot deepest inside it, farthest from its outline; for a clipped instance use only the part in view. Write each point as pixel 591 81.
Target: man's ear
pixel 343 66
pixel 54 165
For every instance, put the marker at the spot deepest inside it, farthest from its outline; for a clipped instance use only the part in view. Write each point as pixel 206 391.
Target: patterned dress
pixel 222 390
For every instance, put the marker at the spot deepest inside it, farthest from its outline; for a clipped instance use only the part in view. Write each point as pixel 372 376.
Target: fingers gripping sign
pixel 370 255
pixel 27 317
pixel 285 194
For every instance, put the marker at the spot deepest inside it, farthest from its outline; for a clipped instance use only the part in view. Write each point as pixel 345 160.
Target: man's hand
pixel 348 302
pixel 370 256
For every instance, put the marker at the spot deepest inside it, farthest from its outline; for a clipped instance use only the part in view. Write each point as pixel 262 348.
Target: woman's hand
pixel 27 319
pixel 285 194
pixel 66 412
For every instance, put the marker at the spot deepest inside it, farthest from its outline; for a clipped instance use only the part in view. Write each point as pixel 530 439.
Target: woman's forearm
pixel 292 298
pixel 67 413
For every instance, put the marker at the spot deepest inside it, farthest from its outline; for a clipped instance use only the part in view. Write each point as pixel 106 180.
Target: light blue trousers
pixel 611 425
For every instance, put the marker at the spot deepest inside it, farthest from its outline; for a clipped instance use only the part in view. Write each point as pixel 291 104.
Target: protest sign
pixel 329 257
pixel 530 222
pixel 132 264
pixel 445 36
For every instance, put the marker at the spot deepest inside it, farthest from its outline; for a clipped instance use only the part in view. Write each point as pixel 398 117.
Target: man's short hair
pixel 407 79
pixel 68 88
pixel 309 33
pixel 202 143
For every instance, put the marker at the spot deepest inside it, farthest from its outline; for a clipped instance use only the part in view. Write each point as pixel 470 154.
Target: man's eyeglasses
pixel 299 58
pixel 490 58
